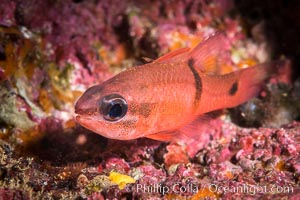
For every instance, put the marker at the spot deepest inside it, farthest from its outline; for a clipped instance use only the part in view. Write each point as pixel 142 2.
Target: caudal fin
pixel 230 90
pixel 250 82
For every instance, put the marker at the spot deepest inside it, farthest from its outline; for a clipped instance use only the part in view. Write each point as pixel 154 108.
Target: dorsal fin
pixel 147 60
pixel 210 54
pixel 172 55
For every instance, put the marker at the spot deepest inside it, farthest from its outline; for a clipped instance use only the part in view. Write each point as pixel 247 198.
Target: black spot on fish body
pixel 198 82
pixel 233 88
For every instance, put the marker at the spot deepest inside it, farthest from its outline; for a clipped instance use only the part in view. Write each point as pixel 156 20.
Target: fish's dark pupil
pixel 115 111
pixel 113 107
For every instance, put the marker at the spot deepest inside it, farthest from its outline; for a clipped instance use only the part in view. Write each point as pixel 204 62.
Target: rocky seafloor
pixel 52 51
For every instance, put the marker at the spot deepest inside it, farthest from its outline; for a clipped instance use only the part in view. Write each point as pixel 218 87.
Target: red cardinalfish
pixel 158 99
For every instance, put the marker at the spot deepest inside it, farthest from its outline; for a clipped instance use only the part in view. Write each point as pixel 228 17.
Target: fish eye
pixel 113 107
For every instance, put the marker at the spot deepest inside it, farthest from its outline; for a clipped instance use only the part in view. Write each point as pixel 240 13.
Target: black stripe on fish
pixel 198 82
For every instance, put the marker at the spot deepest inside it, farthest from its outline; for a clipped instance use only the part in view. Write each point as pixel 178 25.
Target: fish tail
pixel 230 90
pixel 249 82
pixel 253 78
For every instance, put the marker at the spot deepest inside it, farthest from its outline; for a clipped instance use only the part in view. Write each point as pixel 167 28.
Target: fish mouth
pixel 89 123
pixel 77 117
pixel 78 108
pixel 82 119
pixel 86 122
